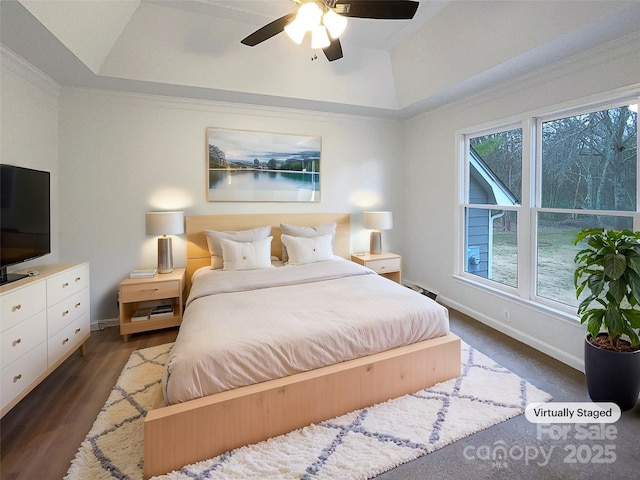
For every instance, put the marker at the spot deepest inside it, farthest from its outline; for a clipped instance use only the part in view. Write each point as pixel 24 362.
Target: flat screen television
pixel 25 217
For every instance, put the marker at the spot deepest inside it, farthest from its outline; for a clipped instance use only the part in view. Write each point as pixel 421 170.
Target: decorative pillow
pixel 246 255
pixel 213 241
pixel 308 250
pixel 306 232
pixel 216 262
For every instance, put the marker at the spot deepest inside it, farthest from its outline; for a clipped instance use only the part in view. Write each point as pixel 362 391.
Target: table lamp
pixel 376 221
pixel 164 223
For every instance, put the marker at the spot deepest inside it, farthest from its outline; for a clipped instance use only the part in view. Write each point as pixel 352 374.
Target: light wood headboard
pixel 198 253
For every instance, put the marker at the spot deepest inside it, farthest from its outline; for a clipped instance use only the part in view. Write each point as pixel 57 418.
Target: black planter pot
pixel 612 376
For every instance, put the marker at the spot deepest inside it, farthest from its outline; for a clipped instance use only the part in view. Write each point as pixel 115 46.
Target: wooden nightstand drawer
pixel 385 265
pixel 149 291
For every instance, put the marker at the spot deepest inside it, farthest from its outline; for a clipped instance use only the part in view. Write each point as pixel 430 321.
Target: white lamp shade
pixel 164 223
pixel 319 37
pixel 335 23
pixel 377 220
pixel 309 14
pixel 296 31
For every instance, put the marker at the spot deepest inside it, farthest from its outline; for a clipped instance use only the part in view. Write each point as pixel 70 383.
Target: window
pixel 522 207
pixel 494 173
pixel 588 178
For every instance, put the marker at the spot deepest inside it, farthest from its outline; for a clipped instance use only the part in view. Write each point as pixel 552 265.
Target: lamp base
pixel 375 242
pixel 165 255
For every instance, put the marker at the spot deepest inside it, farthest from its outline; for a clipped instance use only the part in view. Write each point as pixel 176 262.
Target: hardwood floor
pixel 40 435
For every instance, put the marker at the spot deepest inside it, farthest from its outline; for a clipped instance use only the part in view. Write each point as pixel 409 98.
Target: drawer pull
pixel 16 342
pixel 65 341
pixel 77 279
pixel 66 312
pixel 17 377
pixel 78 304
pixel 16 307
pixel 78 330
pixel 65 285
pixel 151 290
pixel 382 267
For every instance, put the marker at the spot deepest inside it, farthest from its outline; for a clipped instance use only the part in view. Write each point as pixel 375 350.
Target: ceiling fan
pixel 325 19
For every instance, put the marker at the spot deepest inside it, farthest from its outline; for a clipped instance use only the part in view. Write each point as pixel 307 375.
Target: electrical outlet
pixel 506 315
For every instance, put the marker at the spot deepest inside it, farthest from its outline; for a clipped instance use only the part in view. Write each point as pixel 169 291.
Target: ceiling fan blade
pixel 381 9
pixel 334 50
pixel 268 31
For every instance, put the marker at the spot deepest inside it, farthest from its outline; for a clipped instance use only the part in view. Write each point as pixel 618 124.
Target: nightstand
pixel 138 296
pixel 385 264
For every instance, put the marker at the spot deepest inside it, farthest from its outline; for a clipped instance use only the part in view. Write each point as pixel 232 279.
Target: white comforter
pixel 241 328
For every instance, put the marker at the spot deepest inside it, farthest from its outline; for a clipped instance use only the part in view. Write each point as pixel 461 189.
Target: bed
pixel 342 350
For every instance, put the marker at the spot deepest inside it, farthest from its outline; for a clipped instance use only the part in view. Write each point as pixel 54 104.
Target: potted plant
pixel 609 270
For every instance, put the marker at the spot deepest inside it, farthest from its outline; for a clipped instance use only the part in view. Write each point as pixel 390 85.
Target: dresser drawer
pixel 66 311
pixel 19 339
pixel 67 283
pixel 384 265
pixel 140 292
pixel 22 373
pixel 67 339
pixel 21 304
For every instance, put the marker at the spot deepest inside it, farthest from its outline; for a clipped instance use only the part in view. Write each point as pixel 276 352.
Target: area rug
pixel 358 446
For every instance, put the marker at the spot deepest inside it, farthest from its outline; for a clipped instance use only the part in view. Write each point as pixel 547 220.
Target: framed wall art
pixel 247 166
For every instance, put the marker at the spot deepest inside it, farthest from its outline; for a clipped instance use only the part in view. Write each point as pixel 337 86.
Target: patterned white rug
pixel 359 445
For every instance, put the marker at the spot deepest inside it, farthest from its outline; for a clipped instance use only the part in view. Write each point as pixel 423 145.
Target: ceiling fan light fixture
pixel 335 23
pixel 319 37
pixel 325 18
pixel 296 31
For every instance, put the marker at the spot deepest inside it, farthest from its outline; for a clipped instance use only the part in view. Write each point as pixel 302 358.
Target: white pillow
pixel 213 241
pixel 306 232
pixel 246 255
pixel 308 250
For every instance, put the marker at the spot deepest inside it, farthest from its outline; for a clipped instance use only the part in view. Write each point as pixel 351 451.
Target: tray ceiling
pixel 191 48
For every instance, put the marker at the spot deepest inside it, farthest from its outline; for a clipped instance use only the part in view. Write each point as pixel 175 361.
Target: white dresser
pixel 43 320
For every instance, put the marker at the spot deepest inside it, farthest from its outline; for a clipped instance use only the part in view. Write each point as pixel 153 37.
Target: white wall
pixel 124 154
pixel 29 131
pixel 430 186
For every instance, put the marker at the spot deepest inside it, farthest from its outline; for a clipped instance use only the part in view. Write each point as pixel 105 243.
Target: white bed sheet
pixel 241 328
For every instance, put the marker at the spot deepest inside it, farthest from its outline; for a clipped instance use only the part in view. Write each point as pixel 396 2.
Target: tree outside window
pixel 588 174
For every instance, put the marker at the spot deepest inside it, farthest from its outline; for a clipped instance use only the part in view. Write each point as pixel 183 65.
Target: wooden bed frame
pixel 181 434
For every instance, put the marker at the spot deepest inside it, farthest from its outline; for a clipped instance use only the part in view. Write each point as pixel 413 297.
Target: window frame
pixel 530 206
pixel 464 147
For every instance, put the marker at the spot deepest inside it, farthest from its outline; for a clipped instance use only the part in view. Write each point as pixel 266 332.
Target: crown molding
pixel 17 65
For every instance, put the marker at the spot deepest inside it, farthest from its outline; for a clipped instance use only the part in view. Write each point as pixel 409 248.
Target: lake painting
pixel 245 166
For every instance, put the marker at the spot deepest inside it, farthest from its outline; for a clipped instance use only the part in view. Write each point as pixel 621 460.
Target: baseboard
pixel 562 356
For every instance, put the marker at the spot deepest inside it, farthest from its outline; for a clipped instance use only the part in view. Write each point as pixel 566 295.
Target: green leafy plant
pixel 609 267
